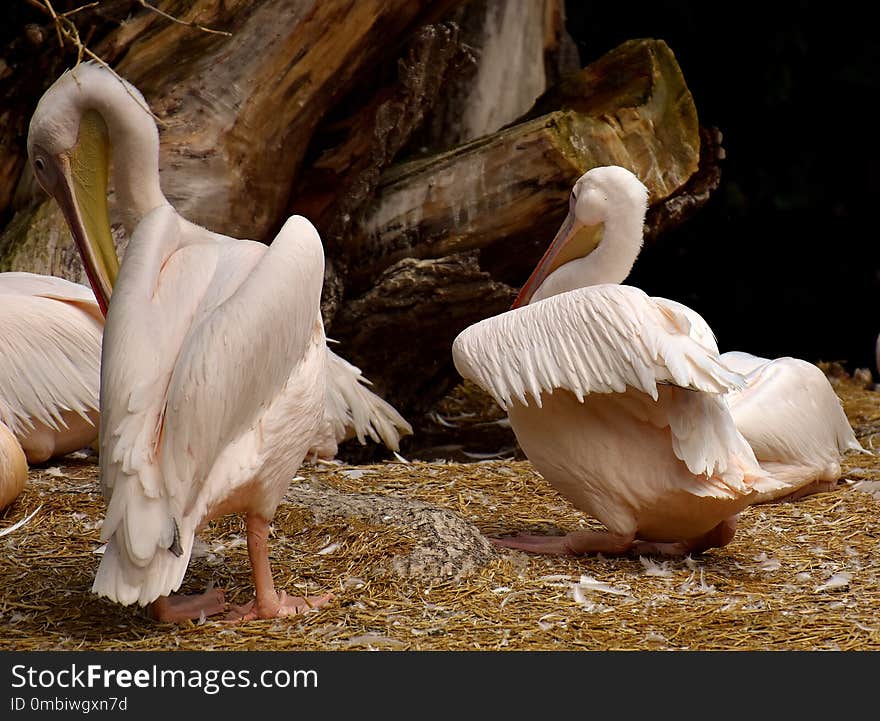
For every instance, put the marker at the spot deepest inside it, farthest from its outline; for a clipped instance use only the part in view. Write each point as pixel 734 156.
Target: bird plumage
pixel 617 398
pixel 214 372
pixel 49 363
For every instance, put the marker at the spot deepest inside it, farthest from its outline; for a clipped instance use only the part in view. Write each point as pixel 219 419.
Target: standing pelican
pixel 214 356
pixel 610 396
pixel 50 358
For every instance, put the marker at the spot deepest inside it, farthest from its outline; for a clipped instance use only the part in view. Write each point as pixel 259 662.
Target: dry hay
pixel 797 576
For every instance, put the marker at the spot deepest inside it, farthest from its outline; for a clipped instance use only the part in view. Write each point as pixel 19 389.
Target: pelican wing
pixel 789 412
pixel 352 409
pixel 46 286
pixel 193 354
pixel 599 339
pixel 237 360
pixel 50 358
pixel 698 328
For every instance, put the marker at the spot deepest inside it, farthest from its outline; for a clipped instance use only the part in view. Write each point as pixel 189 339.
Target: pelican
pixel 214 367
pixel 793 420
pixel 13 467
pixel 49 363
pixel 613 397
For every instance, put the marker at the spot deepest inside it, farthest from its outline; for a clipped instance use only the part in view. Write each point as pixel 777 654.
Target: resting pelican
pixel 611 398
pixel 214 357
pixel 49 363
pixel 793 420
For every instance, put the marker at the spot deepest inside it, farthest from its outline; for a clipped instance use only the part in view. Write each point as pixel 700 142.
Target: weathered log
pixel 237 116
pixel 403 326
pixel 516 49
pixel 344 176
pixel 500 197
pixel 693 195
pixel 510 189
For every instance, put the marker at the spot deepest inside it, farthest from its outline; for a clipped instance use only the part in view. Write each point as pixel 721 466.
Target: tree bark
pixel 498 200
pixel 419 137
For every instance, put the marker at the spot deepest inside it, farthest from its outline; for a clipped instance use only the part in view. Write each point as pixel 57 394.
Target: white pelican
pixel 214 356
pixel 13 467
pixel 611 398
pixel 793 420
pixel 50 359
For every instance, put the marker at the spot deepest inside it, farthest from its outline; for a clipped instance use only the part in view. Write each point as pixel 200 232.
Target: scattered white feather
pixel 502 589
pixel 329 548
pixel 690 563
pixel 356 473
pixel 200 549
pixel 588 583
pixel 767 564
pixel 838 580
pixel 512 596
pixel 100 550
pixel 652 568
pixel 400 457
pixel 691 585
pixel 353 582
pixel 871 487
pixel 15 526
pixel 803 576
pixel 371 640
pixel 655 637
pixel 54 472
pixel 557 580
pixel 441 420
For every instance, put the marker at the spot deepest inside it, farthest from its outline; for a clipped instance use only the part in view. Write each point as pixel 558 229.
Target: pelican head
pixel 607 207
pixel 68 145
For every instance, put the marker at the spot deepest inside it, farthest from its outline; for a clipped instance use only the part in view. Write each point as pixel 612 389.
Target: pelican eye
pixel 40 164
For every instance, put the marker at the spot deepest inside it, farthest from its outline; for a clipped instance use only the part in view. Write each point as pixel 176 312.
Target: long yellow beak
pixel 573 240
pixel 82 195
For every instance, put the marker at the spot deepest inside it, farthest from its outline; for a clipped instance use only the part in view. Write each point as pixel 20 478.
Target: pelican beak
pixel 81 192
pixel 573 240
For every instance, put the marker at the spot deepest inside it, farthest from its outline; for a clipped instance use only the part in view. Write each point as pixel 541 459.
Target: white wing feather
pixel 789 412
pixel 599 339
pixel 50 352
pixel 249 369
pixel 174 397
pixel 352 409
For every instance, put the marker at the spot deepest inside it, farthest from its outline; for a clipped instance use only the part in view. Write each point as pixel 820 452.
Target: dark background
pixel 783 260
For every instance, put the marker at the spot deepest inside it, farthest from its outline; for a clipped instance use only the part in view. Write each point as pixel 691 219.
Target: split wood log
pixel 237 113
pixel 500 199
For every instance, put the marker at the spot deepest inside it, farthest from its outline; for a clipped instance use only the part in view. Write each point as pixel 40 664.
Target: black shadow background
pixel 784 258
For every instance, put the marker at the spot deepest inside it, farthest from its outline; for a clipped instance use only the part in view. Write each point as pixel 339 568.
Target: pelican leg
pixel 581 543
pixel 807 490
pixel 174 609
pixel 268 603
pixel 576 543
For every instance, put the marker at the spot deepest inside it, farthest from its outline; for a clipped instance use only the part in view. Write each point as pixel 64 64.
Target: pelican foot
pixel 176 609
pixel 576 543
pixel 283 605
